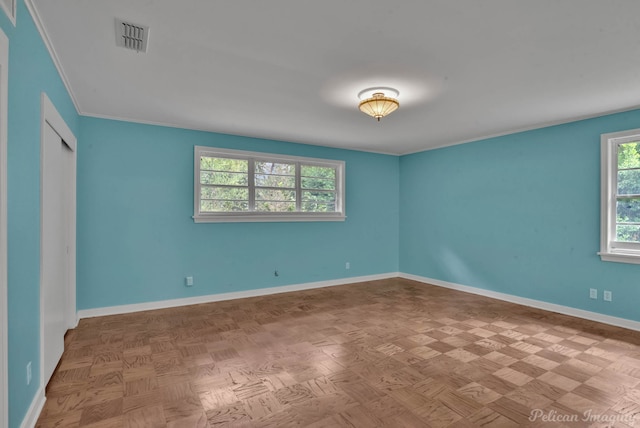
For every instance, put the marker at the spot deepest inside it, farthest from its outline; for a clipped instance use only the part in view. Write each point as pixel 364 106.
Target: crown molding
pixel 52 52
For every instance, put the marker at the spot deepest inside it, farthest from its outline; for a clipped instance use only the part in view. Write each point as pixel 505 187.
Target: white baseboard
pixel 33 413
pixel 566 310
pixel 162 304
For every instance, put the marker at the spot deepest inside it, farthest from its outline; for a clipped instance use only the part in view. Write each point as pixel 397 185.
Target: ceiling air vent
pixel 132 36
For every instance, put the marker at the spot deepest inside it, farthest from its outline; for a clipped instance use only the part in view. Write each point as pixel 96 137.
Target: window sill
pixel 620 257
pixel 259 217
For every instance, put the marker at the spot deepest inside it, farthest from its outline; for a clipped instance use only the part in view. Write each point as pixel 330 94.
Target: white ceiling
pixel 291 69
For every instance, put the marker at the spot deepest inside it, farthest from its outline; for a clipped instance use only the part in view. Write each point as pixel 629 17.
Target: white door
pixel 56 199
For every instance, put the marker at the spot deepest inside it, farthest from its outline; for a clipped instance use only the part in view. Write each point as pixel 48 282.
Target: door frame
pixel 51 117
pixel 4 320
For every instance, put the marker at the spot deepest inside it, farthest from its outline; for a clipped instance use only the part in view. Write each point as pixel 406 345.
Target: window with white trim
pixel 234 185
pixel 620 210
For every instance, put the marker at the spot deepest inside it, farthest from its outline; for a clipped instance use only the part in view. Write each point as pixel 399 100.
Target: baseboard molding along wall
pixel 163 304
pixel 33 413
pixel 552 307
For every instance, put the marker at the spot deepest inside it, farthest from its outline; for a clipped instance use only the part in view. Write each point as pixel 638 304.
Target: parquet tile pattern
pixel 391 353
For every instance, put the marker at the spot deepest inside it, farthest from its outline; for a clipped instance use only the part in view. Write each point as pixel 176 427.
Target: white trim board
pixel 538 304
pixel 552 307
pixel 50 114
pixel 35 409
pixel 4 330
pixel 162 304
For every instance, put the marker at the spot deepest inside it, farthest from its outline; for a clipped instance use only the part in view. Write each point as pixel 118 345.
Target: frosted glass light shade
pixel 378 105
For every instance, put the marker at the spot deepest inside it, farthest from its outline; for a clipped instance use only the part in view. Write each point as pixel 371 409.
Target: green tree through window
pixel 233 185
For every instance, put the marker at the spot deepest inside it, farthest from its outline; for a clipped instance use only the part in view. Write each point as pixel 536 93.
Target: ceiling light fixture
pixel 378 102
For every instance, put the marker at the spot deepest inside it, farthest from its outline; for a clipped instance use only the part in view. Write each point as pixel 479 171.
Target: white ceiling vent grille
pixel 132 36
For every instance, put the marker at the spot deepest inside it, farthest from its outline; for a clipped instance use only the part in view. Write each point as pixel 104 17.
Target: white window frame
pixel 610 249
pixel 253 216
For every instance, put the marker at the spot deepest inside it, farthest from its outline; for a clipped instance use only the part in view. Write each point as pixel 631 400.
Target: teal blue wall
pixel 31 71
pixel 518 214
pixel 137 240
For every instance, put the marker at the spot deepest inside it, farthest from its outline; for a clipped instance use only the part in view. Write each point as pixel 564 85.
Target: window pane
pixel 629 155
pixel 224 178
pixel 224 193
pixel 263 180
pixel 270 206
pixel 318 183
pixel 318 207
pixel 627 233
pixel 223 164
pixel 275 195
pixel 629 182
pixel 628 210
pixel 318 196
pixel 275 168
pixel 318 201
pixel 318 172
pixel 208 206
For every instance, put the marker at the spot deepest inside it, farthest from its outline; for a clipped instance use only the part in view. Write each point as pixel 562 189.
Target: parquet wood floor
pixel 391 353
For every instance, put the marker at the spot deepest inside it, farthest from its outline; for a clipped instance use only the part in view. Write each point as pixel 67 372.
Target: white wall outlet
pixel 29 373
pixel 607 296
pixel 188 281
pixel 347 265
pixel 593 293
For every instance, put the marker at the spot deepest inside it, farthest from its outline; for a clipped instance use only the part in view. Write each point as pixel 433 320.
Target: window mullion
pixel 224 186
pixel 252 185
pixel 630 196
pixel 339 188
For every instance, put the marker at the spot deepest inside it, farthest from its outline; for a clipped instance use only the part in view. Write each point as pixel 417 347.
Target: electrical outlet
pixel 347 265
pixel 593 293
pixel 188 281
pixel 29 373
pixel 607 296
